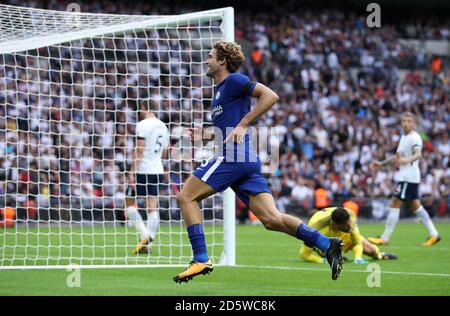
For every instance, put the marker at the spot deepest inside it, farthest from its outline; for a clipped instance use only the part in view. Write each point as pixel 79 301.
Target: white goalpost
pixel 70 87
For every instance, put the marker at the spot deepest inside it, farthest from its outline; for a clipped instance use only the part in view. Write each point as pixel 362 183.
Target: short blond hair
pixel 230 52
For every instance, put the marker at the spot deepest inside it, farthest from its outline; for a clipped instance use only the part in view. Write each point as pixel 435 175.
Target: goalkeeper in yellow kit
pixel 341 222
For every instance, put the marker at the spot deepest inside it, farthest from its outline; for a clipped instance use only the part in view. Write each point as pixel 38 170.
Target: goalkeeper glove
pixel 360 261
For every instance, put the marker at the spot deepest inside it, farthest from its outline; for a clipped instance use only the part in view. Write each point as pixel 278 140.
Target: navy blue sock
pixel 312 237
pixel 197 238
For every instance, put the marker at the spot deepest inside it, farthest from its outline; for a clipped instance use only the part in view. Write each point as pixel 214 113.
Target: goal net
pixel 70 87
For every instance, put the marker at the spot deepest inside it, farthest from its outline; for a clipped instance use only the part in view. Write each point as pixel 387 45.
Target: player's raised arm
pixel 266 99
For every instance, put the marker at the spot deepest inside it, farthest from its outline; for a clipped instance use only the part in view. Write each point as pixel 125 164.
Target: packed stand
pixel 342 86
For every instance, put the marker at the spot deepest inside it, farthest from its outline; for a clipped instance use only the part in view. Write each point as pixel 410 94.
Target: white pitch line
pixel 344 271
pixel 153 266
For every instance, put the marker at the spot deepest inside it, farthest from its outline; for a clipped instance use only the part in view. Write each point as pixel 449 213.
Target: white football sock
pixel 422 213
pixel 136 218
pixel 392 219
pixel 152 223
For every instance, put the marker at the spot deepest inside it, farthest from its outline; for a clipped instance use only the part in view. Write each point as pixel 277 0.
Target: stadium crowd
pixel 342 90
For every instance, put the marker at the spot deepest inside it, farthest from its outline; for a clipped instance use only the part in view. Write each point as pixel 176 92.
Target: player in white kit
pixel 146 174
pixel 407 157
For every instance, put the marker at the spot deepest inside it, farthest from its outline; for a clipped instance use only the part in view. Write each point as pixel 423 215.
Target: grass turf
pixel 267 264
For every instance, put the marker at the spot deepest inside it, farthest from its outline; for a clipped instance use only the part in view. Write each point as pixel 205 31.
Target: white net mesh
pixel 69 91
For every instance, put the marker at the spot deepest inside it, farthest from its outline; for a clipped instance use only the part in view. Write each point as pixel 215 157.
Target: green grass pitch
pixel 267 264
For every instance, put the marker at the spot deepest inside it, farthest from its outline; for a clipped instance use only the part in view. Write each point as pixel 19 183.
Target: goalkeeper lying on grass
pixel 341 222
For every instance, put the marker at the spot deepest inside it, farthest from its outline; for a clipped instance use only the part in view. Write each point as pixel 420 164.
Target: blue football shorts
pixel 244 178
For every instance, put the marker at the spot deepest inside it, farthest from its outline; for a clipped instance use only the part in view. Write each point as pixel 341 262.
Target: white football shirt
pixel 406 147
pixel 156 136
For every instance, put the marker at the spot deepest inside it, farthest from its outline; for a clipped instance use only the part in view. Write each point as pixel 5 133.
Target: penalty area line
pixel 344 271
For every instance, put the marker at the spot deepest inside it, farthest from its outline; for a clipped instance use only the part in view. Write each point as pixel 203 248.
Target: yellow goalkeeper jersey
pixel 321 221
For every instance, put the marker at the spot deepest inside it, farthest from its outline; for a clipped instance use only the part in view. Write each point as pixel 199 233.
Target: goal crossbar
pixel 7 47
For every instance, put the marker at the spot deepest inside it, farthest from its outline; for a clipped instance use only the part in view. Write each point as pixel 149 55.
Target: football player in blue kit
pixel 237 165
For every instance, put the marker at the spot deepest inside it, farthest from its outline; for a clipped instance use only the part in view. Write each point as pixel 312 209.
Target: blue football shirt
pixel 231 102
